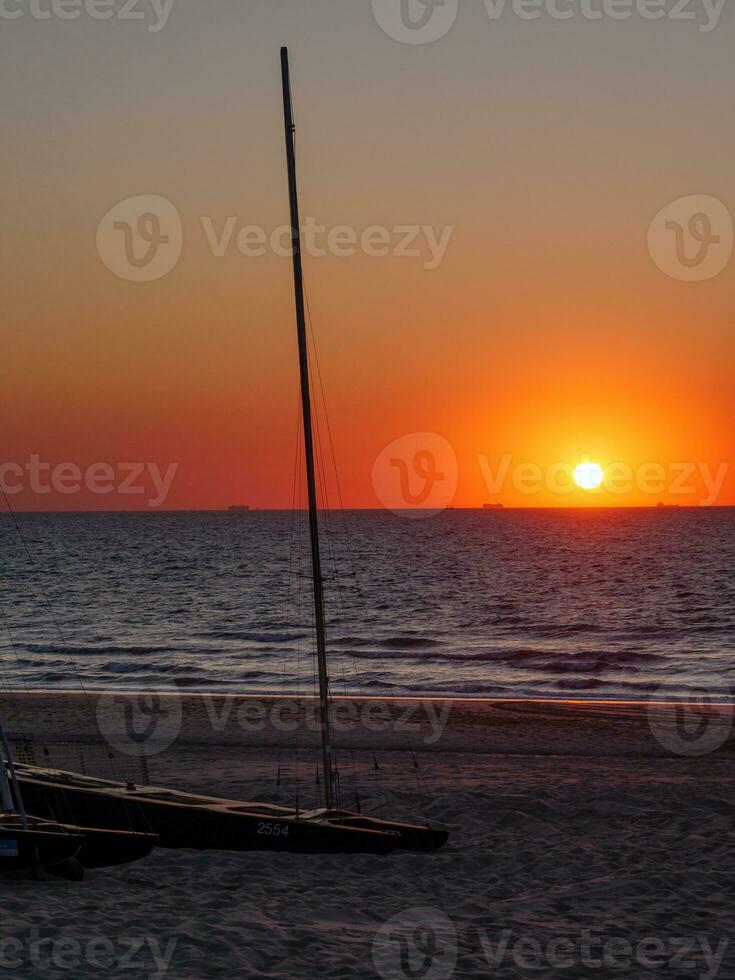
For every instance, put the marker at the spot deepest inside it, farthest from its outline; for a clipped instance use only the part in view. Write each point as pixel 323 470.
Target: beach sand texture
pixel 568 821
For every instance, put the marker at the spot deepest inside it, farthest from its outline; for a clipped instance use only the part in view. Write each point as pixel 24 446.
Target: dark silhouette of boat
pixel 36 844
pixel 201 822
pixel 66 850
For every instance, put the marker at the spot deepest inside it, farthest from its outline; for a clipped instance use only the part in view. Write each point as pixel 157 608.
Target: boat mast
pixel 7 766
pixel 316 565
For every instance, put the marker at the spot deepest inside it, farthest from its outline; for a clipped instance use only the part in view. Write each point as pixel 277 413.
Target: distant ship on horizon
pixel 493 506
pixel 238 508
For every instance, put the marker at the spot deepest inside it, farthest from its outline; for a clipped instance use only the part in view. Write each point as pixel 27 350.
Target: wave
pixel 556 631
pixel 80 650
pixel 410 642
pixel 246 636
pixel 399 642
pixel 123 667
pixel 525 658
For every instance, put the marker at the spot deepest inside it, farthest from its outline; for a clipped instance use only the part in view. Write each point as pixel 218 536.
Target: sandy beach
pixel 583 844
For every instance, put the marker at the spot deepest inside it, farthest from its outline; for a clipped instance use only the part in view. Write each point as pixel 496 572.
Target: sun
pixel 588 476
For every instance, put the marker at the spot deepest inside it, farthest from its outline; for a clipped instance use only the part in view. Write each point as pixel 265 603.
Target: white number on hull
pixel 273 829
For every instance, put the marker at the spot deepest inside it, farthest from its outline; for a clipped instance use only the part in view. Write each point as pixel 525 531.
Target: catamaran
pixel 32 844
pixel 185 820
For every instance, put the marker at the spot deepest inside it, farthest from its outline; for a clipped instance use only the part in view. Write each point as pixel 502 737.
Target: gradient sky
pixel 547 332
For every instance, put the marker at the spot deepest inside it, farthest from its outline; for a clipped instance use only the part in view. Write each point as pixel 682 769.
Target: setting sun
pixel 588 476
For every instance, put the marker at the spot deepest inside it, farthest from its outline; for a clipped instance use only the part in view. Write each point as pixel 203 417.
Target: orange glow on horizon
pixel 547 334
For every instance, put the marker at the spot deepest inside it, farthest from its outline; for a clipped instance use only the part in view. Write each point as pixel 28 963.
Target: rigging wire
pixel 64 644
pixel 341 613
pixel 349 549
pixel 292 579
pixel 12 695
pixel 47 602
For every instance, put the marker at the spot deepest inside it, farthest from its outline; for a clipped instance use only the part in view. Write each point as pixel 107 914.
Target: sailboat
pixel 193 821
pixel 32 844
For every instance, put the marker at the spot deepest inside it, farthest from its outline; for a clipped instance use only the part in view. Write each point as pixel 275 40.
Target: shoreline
pixel 150 723
pixel 273 696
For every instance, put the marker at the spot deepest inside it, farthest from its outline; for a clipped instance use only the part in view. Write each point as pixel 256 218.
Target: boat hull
pixel 108 847
pixel 38 850
pixel 67 849
pixel 185 820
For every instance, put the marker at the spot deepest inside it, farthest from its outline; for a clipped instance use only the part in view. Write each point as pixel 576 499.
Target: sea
pixel 629 604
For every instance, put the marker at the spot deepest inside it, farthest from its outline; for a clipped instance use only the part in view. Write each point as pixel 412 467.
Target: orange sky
pixel 546 334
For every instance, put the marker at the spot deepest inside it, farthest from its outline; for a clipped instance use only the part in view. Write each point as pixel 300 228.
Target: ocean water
pixel 596 603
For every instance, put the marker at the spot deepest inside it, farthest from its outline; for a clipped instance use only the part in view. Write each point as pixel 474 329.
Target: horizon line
pixel 242 510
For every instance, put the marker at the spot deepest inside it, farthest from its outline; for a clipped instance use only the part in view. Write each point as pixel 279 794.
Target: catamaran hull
pixel 33 850
pixel 184 820
pixel 66 849
pixel 108 848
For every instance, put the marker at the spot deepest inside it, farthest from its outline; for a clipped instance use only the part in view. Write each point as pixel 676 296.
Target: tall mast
pixel 316 564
